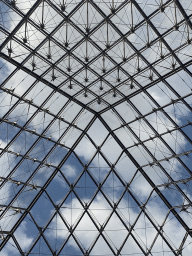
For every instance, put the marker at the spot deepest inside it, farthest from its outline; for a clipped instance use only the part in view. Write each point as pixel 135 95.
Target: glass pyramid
pixel 96 127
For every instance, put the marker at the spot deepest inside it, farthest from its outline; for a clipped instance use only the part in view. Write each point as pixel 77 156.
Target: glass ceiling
pixel 96 127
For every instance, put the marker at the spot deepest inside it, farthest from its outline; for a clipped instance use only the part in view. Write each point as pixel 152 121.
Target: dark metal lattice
pixel 96 101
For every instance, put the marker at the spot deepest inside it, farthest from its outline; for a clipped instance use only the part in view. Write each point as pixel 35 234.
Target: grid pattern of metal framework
pixel 96 101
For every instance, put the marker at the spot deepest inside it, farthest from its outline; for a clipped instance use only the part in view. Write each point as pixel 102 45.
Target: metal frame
pixel 101 98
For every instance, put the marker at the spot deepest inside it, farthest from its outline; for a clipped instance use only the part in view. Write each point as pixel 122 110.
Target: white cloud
pixel 69 171
pixel 21 235
pixel 22 238
pixel 115 230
